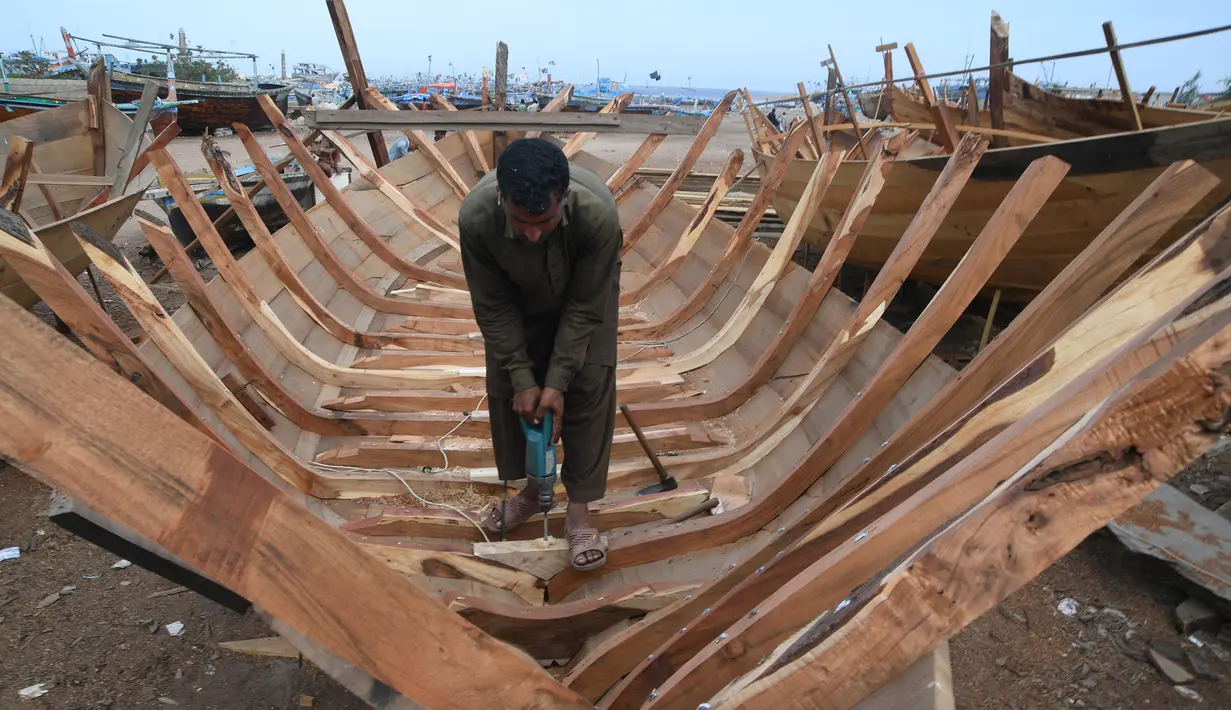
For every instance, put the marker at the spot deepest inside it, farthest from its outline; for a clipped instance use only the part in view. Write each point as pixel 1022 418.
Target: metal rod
pixel 1011 63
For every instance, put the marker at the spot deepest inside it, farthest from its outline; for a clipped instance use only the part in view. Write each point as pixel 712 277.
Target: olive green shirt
pixel 548 308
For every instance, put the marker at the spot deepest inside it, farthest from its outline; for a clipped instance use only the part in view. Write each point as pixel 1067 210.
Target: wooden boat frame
pixel 844 456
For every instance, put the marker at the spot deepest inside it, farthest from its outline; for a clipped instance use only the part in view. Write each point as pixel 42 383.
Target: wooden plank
pixel 348 213
pixel 162 140
pixel 555 106
pixel 998 77
pixel 850 106
pixel 940 111
pixel 68 179
pixel 630 167
pixel 53 203
pixel 541 558
pixel 972 102
pixel 1158 416
pixel 926 685
pixel 415 213
pixel 422 140
pixel 1112 343
pixel 1169 525
pixel 270 646
pixel 665 193
pixel 149 94
pixel 806 100
pixel 1126 91
pixel 696 227
pixel 98 87
pixel 246 399
pixel 469 140
pixel 616 105
pixel 176 347
pixel 502 76
pixel 123 466
pixel 506 121
pixel 354 70
pixel 1145 98
pixel 452 561
pixel 96 330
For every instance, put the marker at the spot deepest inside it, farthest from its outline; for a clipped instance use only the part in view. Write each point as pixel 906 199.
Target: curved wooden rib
pixel 693 232
pixel 450 561
pixel 665 193
pixel 226 335
pixel 716 405
pixel 278 263
pixel 347 212
pixel 557 103
pixel 1079 286
pixel 23 252
pixel 630 167
pixel 477 158
pixel 1020 419
pixel 735 249
pixel 421 218
pixel 375 99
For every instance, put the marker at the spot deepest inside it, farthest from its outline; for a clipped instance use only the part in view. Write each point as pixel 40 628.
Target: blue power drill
pixel 541 463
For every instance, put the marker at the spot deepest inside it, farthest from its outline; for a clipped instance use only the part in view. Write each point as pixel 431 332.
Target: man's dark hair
pixel 531 172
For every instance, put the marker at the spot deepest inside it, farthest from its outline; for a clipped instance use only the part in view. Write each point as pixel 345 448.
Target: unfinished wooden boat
pixel 71 177
pixel 219 105
pixel 871 501
pixel 1107 173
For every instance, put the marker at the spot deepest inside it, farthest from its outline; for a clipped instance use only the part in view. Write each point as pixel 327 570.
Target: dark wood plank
pixel 592 122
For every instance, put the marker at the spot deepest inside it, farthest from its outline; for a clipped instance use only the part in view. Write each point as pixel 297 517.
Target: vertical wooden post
pixel 284 64
pixel 940 112
pixel 1174 94
pixel 1126 91
pixel 998 77
pixel 850 108
pixel 99 90
pixel 972 102
pixel 991 316
pixel 831 83
pixel 487 98
pixel 1145 98
pixel 499 139
pixel 817 145
pixel 354 68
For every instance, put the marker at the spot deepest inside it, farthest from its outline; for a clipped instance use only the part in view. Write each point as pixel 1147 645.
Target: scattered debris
pixel 48 600
pixel 1204 667
pixel 1199 490
pixel 65 591
pixel 1012 615
pixel 92 575
pixel 306 701
pixel 167 701
pixel 167 592
pixel 34 691
pixel 1193 615
pixel 125 583
pixel 1068 606
pixel 1188 693
pixel 121 564
pixel 268 646
pixel 1175 673
pixel 10 553
pixel 175 628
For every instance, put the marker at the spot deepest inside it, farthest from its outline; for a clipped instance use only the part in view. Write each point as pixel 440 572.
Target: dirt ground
pixel 95 637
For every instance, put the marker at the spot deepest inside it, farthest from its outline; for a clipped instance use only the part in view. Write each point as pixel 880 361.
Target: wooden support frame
pixel 628 169
pixel 998 76
pixel 420 139
pixel 850 106
pixel 338 201
pixel 1126 91
pixel 469 140
pixel 940 111
pixel 16 173
pixel 261 529
pixel 98 88
pixel 354 69
pixel 817 145
pixel 564 122
pixel 616 105
pixel 149 94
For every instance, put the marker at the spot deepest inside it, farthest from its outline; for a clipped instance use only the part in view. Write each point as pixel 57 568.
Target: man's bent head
pixel 533 177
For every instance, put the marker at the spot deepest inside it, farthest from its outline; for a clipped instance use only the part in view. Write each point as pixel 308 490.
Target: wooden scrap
pixel 274 646
pixel 542 558
pixel 850 106
pixel 998 76
pixel 149 95
pixel 940 111
pixel 16 173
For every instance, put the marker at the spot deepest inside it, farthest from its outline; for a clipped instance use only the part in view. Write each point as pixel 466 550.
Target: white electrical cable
pixel 449 433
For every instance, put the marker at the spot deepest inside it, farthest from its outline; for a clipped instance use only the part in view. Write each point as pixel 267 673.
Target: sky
pixel 708 43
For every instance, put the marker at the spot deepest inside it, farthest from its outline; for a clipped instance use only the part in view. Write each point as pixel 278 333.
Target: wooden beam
pixel 665 193
pixel 568 122
pixel 696 227
pixel 616 105
pixel 940 111
pixel 1158 417
pixel 850 106
pixel 1126 91
pixel 422 141
pixel 53 203
pixel 469 140
pixel 972 102
pixel 629 167
pixel 98 88
pixel 1145 98
pixel 502 76
pixel 420 217
pixel 806 100
pixel 555 106
pixel 451 561
pixel 148 471
pixel 354 70
pixel 350 216
pixel 16 173
pixel 149 94
pixel 541 558
pixel 69 179
pixel 162 140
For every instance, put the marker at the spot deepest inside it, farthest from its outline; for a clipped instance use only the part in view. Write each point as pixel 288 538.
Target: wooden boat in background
pixel 1107 173
pixel 219 105
pixel 64 152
